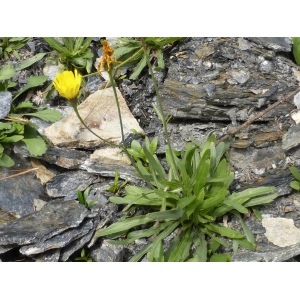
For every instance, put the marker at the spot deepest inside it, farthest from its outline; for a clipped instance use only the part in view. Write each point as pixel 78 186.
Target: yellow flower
pixel 68 84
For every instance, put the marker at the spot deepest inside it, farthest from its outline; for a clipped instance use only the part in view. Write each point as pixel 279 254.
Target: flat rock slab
pixel 228 79
pixel 64 157
pixel 60 240
pixel 99 112
pixel 67 183
pixel 54 218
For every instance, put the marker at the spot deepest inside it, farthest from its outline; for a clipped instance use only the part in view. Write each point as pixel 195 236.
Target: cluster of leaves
pixel 129 52
pixel 74 52
pixel 82 198
pixel 188 202
pixel 11 45
pixel 16 128
pixel 8 71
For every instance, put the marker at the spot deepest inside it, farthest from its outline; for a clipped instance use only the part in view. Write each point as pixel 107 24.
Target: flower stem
pixel 74 105
pixel 163 118
pixel 123 147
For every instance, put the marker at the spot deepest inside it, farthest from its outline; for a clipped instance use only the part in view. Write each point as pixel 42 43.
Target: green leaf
pixel 35 146
pixel 246 244
pixel 48 115
pixel 183 250
pixel 33 81
pixel 141 253
pixel 6 161
pixel 80 197
pixel 12 139
pixel 248 233
pixel 26 104
pixel 257 214
pixel 166 215
pixel 124 225
pixel 296 49
pixel 236 206
pixel 224 231
pixel 5 125
pixel 220 258
pixel 295 185
pixel 161 236
pixel 160 61
pixel 261 200
pixel 140 66
pixel 7 72
pixel 30 61
pixel 295 172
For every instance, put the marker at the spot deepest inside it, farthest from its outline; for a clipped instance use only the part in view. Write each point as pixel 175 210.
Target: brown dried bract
pixel 107 59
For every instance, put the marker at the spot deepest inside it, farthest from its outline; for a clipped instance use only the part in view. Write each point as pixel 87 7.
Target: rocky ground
pixel 210 85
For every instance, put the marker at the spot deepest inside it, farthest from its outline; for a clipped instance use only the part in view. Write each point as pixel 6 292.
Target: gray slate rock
pixel 67 183
pixel 64 157
pixel 275 43
pixel 242 79
pixel 17 194
pixel 60 240
pixel 102 251
pixel 5 100
pixel 68 250
pixel 54 218
pixel 291 139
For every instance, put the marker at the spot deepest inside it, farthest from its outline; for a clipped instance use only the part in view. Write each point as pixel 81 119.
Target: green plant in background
pixel 82 198
pixel 14 127
pixel 191 202
pixel 74 52
pixel 11 45
pixel 83 256
pixel 8 71
pixel 130 52
pixel 295 184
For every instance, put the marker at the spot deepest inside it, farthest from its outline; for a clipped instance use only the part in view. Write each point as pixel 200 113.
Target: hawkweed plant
pixel 186 200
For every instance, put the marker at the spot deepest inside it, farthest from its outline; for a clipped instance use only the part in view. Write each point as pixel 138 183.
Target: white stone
pixel 281 231
pixel 99 112
pixel 110 156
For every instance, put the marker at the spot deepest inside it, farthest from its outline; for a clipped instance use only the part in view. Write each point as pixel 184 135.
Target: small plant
pixel 130 52
pixel 74 52
pixel 137 152
pixel 15 128
pixel 82 198
pixel 190 198
pixel 11 45
pixel 295 184
pixel 116 186
pixel 83 256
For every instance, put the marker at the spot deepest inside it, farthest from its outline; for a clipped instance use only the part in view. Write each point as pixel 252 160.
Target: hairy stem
pixel 163 118
pixel 74 105
pixel 122 131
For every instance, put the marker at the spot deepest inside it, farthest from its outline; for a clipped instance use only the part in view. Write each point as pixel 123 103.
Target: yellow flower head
pixel 68 84
pixel 106 60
